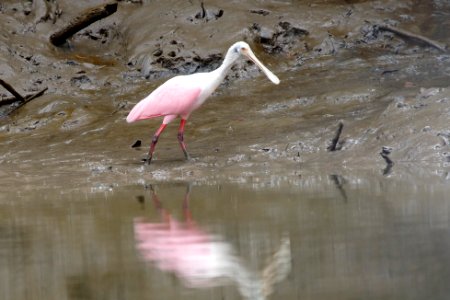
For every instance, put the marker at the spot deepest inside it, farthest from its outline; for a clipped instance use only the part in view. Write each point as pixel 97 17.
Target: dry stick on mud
pixel 28 98
pixel 10 100
pixel 18 97
pixel 335 140
pixel 83 20
pixel 407 34
pixel 31 97
pixel 10 89
pixel 35 95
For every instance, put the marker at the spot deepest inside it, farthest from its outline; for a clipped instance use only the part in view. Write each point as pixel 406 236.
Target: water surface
pixel 317 237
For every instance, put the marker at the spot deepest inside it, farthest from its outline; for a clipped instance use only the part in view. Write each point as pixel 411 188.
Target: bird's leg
pixel 154 141
pixel 181 139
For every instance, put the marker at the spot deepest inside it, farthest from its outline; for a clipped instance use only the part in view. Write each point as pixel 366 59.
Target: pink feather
pixel 175 97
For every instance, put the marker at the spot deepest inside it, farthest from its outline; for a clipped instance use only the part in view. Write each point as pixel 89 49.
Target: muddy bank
pixel 334 63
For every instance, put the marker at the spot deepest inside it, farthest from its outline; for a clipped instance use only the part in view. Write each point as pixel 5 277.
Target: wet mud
pixel 335 64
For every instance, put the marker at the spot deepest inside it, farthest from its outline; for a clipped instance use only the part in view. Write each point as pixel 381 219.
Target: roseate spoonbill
pixel 181 95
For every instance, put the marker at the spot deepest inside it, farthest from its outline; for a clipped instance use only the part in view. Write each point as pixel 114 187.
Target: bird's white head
pixel 242 48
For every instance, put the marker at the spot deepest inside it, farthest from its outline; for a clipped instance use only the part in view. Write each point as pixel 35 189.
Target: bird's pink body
pixel 176 97
pixel 181 95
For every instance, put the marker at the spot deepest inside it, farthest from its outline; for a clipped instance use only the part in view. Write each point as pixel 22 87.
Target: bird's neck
pixel 225 66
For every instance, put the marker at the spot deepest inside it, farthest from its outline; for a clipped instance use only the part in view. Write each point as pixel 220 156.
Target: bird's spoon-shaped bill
pixel 272 77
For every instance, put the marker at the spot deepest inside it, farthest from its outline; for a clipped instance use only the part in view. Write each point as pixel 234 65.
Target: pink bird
pixel 181 95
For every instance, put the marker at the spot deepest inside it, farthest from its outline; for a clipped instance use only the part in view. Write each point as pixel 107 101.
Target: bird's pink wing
pixel 174 97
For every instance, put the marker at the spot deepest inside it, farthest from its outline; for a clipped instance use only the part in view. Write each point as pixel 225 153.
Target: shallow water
pixel 319 237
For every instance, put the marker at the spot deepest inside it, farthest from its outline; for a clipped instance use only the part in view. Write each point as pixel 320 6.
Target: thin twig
pixel 8 100
pixel 28 97
pixel 31 97
pixel 421 38
pixel 35 95
pixel 202 5
pixel 335 140
pixel 11 90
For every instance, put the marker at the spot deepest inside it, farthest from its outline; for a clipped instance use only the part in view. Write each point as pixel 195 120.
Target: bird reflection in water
pixel 204 260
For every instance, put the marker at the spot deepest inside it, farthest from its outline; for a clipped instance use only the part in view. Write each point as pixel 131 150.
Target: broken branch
pixel 414 36
pixel 31 97
pixel 28 97
pixel 8 87
pixel 83 20
pixel 35 95
pixel 335 140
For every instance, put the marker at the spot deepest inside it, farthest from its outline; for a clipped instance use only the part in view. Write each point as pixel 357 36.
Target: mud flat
pixel 336 65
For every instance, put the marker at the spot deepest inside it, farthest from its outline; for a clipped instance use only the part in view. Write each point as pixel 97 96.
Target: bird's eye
pixel 236 49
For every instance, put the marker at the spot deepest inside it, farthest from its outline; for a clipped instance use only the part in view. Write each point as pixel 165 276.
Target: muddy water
pixel 321 237
pixel 273 213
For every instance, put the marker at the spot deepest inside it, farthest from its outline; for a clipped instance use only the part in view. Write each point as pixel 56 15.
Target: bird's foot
pixel 147 160
pixel 188 157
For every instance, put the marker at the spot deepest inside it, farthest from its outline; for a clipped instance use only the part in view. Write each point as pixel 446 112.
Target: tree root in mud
pixel 83 20
pixel 413 36
pixel 18 98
